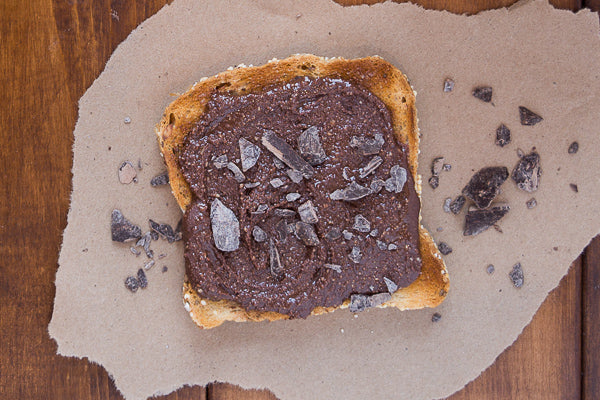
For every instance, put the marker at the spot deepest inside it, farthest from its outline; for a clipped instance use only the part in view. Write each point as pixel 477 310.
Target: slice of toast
pixel 373 73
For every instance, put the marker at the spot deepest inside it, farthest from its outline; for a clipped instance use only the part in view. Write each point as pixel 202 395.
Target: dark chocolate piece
pixel 295 176
pixel 225 227
pixel 502 135
pixel 367 146
pixel 121 229
pixel 373 164
pixel 333 234
pixel 397 179
pixel 360 302
pixel 531 203
pixel 347 234
pixel 528 117
pixel 165 269
pixel 437 165
pixel 220 162
pixel 391 285
pixel 306 233
pixel 249 154
pixel 361 224
pixel 477 221
pixel 355 255
pixel 352 192
pixel 261 209
pixel 154 235
pixel 286 153
pixel 238 175
pixel 144 242
pixel 132 283
pixel 309 146
pixel 434 181
pixel 337 268
pixel 160 180
pixel 483 93
pixel 284 212
pixel 457 204
pixel 527 172
pixel 436 317
pixel 573 148
pixel 485 184
pixel 258 234
pixel 275 265
pixel 448 85
pixel 446 205
pixel 142 279
pixel 574 187
pixel 447 167
pixel 381 245
pixel 516 275
pixel 392 246
pixel 282 230
pixel 490 269
pixel 292 196
pixel 251 185
pixel 165 231
pixel 444 248
pixel 308 212
pixel 376 185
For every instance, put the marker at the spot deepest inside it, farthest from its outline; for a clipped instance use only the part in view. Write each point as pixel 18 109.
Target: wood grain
pixel 50 53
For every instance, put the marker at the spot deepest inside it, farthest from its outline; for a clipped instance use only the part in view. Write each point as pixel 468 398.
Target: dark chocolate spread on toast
pixel 314 204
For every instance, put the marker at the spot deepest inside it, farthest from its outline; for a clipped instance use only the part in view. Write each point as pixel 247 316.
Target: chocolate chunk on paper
pixel 478 221
pixel 527 172
pixel 528 117
pixel 483 93
pixel 484 185
pixel 121 229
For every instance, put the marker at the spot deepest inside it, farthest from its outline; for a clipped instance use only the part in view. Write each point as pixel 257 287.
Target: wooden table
pixel 50 53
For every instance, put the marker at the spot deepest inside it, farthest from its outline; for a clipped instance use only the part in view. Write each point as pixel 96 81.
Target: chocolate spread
pixel 348 255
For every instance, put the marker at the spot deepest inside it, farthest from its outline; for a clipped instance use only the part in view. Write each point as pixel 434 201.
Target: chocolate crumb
pixel 352 192
pixel 361 224
pixel 251 185
pixel 165 269
pixel 238 175
pixel 161 256
pixel 284 212
pixel 446 205
pixel 520 153
pixel 142 279
pixel 276 267
pixel 444 248
pixel 391 285
pixel 347 235
pixel 447 167
pixel 355 255
pixel 154 235
pixel 135 251
pixel 478 221
pixel 368 146
pixel 165 231
pixel 149 265
pixel 225 227
pixel 220 162
pixel 434 181
pixel 376 185
pixel 160 180
pixel 448 85
pixel 292 196
pixel 381 245
pixel 306 233
pixel 457 204
pixel 373 164
pixel 531 203
pixel 278 163
pixel 360 302
pixel 333 234
pixel 308 212
pixel 121 229
pixel 261 209
pixel 397 179
pixel 309 146
pixel 516 275
pixel 574 187
pixel 286 153
pixel 374 232
pixel 249 154
pixel 337 268
pixel 483 93
pixel 527 172
pixel 295 176
pixel 392 246
pixel 555 248
pixel 132 284
pixel 573 148
pixel 277 182
pixel 502 135
pixel 490 269
pixel 127 173
pixel 144 242
pixel 258 234
pixel 127 120
pixel 485 184
pixel 437 165
pixel 528 117
pixel 436 317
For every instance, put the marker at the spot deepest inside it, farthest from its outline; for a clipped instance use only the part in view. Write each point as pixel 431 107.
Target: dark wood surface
pixel 50 53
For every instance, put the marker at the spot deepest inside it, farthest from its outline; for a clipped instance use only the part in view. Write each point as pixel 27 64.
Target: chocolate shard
pixel 292 196
pixel 361 224
pixel 336 267
pixel 434 181
pixel 373 164
pixel 347 234
pixel 238 175
pixel 457 204
pixel 127 173
pixel 306 233
pixel 144 242
pixel 309 146
pixel 166 231
pixel 251 185
pixel 258 234
pixel 436 317
pixel 381 245
pixel 355 255
pixel 275 265
pixel 282 229
pixel 333 234
pixel 391 285
pixel 132 283
pixel 225 227
pixel 448 85
pixel 531 203
pixel 249 154
pixel 397 179
pixel 573 148
pixel 490 269
pixel 484 185
pixel 528 117
pixel 352 192
pixel 376 185
pixel 516 275
pixel 160 180
pixel 278 163
pixel 392 246
pixel 360 302
pixel 220 162
pixel 284 212
pixel 142 279
pixel 527 172
pixel 446 205
pixel 437 165
pixel 574 187
pixel 308 212
pixel 121 229
pixel 502 135
pixel 295 176
pixel 367 146
pixel 483 93
pixel 277 182
pixel 477 221
pixel 286 153
pixel 260 209
pixel 444 248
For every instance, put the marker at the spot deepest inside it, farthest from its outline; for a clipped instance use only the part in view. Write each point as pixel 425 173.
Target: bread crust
pixel 373 73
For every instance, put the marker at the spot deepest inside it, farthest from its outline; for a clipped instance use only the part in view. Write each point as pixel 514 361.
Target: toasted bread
pixel 373 73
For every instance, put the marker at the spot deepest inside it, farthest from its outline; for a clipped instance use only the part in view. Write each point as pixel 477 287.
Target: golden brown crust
pixel 383 80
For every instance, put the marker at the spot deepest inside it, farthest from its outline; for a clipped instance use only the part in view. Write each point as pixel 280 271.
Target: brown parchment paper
pixel 532 55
